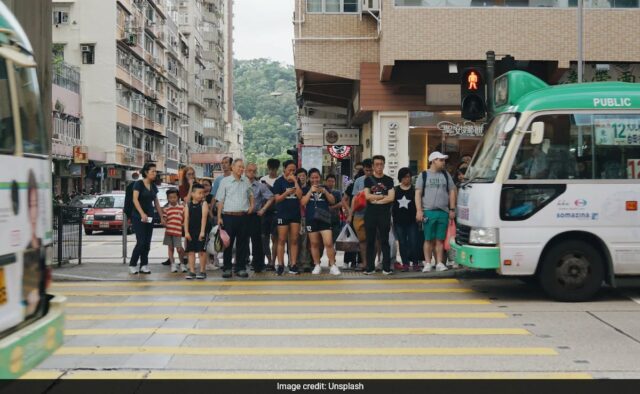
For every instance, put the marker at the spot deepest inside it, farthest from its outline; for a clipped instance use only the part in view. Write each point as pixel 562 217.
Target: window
pixel 7 132
pixel 137 103
pixel 332 6
pixel 136 69
pixel 149 44
pixel 582 146
pixel 61 17
pixel 137 139
pixel 88 53
pixel 33 133
pixel 123 59
pixel 123 135
pixel 123 95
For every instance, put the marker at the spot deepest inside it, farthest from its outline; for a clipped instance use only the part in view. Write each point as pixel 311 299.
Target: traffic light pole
pixel 491 72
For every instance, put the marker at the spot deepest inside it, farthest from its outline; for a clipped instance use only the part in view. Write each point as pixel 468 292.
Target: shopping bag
pixel 214 245
pixel 451 234
pixel 393 250
pixel 360 202
pixel 347 241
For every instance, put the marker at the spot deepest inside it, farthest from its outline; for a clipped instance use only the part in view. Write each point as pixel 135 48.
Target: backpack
pixel 128 199
pixel 424 180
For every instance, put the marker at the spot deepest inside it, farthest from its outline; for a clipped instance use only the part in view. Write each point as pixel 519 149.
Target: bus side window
pixel 33 133
pixel 7 132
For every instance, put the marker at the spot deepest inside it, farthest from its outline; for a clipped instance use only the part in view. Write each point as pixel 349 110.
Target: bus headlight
pixel 483 236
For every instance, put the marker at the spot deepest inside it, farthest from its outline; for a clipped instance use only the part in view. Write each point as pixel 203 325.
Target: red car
pixel 106 215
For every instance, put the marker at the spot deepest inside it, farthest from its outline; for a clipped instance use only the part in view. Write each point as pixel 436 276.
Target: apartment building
pixel 388 71
pixel 67 132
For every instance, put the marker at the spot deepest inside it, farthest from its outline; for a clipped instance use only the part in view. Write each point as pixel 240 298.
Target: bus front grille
pixel 462 234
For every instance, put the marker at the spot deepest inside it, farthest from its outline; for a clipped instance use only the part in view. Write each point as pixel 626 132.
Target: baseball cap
pixel 437 155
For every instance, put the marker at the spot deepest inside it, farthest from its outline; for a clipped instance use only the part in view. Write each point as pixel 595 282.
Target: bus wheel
pixel 572 271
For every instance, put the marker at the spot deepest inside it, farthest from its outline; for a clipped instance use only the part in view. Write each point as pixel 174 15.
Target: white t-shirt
pixel 268 180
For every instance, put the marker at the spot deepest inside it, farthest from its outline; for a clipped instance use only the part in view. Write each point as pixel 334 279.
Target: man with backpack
pixel 435 206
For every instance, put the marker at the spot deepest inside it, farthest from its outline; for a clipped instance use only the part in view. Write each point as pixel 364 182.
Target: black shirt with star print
pixel 404 208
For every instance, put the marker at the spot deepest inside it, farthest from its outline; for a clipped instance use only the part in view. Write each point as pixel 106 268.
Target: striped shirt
pixel 234 194
pixel 175 218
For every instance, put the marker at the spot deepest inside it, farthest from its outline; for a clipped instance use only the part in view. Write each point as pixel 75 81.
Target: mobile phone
pixel 149 220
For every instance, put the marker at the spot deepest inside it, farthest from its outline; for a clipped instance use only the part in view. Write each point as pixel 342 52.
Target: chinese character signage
pixel 341 137
pixel 615 73
pixel 80 154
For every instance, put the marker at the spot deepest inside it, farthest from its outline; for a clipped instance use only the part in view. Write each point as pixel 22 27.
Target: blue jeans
pixel 144 232
pixel 407 235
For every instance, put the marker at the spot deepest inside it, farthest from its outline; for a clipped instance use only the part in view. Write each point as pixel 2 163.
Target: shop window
pixel 582 146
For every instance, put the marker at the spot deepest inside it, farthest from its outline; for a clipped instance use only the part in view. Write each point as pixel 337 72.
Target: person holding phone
pixel 145 195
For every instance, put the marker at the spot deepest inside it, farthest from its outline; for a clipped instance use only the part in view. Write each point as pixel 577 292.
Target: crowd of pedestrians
pixel 299 214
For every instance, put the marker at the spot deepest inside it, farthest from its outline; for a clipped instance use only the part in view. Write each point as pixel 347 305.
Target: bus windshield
pixel 486 162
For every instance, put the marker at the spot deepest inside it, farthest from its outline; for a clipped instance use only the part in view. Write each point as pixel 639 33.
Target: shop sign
pixel 393 128
pixel 466 129
pixel 339 151
pixel 114 173
pixel 334 136
pixel 80 154
pixel 615 72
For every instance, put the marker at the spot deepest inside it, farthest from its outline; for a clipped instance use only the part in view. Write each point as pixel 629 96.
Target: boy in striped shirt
pixel 174 212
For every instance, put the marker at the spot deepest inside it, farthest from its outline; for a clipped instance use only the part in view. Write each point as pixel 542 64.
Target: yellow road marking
pixel 274 283
pixel 296 331
pixel 101 293
pixel 198 375
pixel 323 351
pixel 290 316
pixel 276 303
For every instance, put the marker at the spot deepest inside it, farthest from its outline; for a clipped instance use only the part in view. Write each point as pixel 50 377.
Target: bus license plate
pixel 3 288
pixel 104 225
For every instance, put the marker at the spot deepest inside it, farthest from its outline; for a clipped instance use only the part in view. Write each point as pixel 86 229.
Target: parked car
pixel 106 215
pixel 84 201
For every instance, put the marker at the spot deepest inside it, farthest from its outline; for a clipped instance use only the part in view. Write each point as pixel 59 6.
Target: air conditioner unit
pixel 118 86
pixel 131 40
pixel 85 48
pixel 370 5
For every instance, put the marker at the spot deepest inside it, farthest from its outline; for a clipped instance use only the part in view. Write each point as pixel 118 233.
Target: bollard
pixel 124 237
pixel 80 238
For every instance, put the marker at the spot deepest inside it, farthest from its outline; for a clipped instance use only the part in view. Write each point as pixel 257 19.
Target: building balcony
pixel 137 84
pixel 128 156
pixel 137 121
pixel 123 115
pixel 172 108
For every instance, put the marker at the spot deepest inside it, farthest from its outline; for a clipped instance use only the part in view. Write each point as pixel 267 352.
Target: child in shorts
pixel 174 213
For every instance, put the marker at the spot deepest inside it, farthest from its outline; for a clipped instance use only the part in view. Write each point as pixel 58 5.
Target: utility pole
pixel 580 37
pixel 491 71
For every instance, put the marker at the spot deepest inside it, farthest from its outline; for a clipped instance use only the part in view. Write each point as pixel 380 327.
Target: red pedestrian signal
pixel 472 80
pixel 472 94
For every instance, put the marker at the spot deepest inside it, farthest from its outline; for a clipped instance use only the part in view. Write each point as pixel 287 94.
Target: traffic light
pixel 294 154
pixel 472 94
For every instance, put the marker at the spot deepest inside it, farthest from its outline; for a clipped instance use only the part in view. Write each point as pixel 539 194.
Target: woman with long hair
pixel 288 194
pixel 145 195
pixel 187 179
pixel 317 197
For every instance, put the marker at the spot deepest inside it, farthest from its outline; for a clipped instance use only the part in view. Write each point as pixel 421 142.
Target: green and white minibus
pixel 553 189
pixel 31 321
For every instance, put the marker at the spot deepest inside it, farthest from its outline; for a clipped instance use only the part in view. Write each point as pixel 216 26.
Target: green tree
pixel 265 98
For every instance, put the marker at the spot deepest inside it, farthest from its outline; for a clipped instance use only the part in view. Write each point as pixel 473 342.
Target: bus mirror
pixel 537 133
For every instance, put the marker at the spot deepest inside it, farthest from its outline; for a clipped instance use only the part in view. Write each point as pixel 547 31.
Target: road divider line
pixel 295 331
pixel 289 316
pixel 293 282
pixel 310 351
pixel 225 304
pixel 101 293
pixel 269 375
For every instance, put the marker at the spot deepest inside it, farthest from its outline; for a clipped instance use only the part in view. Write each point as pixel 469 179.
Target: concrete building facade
pixel 391 69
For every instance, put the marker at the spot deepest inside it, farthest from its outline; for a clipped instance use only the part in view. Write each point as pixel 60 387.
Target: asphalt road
pixel 457 324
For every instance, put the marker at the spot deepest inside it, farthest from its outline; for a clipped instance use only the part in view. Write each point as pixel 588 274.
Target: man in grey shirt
pixel 358 217
pixel 435 207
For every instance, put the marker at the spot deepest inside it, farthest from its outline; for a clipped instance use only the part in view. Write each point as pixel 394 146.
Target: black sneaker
pixel 280 270
pixel 190 275
pixel 293 270
pixel 242 274
pixel 201 275
pixel 270 268
pixel 166 262
pixel 226 274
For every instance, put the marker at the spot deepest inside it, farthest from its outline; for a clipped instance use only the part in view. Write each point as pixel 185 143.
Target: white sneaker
pixel 176 267
pixel 427 267
pixel 184 268
pixel 133 270
pixel 145 270
pixel 316 270
pixel 441 267
pixel 334 270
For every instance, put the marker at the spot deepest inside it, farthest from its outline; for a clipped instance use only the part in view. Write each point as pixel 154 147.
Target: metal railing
pixel 67 234
pixel 66 76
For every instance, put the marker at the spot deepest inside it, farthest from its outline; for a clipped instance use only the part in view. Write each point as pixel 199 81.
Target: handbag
pixel 321 214
pixel 360 202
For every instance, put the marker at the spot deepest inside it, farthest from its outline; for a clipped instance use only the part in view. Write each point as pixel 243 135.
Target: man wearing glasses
pixel 435 205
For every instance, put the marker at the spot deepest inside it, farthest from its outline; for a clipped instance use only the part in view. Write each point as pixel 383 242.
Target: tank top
pixel 195 219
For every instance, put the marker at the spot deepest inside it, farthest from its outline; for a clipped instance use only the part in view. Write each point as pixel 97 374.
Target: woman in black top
pixel 404 220
pixel 145 194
